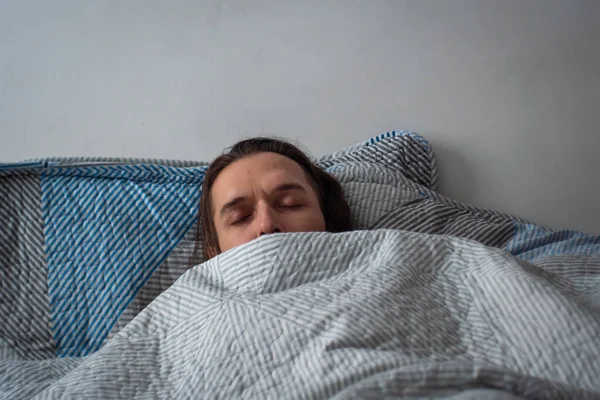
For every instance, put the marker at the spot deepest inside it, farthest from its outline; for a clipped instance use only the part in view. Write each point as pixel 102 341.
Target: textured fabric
pixel 401 151
pixel 187 253
pixel 429 216
pixel 372 191
pixel 80 161
pixel 25 331
pixel 107 230
pixel 366 314
pixel 107 237
pixel 115 233
pixel 532 241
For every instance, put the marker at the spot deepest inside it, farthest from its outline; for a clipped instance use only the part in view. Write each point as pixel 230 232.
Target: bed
pixel 104 292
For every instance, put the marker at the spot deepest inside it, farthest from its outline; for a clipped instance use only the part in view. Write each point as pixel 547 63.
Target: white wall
pixel 507 91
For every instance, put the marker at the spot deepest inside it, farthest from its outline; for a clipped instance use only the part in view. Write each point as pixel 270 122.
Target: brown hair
pixel 329 191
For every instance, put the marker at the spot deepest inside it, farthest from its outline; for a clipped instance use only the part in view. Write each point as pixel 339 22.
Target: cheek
pixel 312 220
pixel 230 238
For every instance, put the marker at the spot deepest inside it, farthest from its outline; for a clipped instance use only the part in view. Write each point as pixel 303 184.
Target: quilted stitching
pixel 104 239
pixel 365 313
pixel 25 331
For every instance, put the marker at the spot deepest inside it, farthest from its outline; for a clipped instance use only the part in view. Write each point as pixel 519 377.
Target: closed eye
pixel 289 202
pixel 290 206
pixel 242 220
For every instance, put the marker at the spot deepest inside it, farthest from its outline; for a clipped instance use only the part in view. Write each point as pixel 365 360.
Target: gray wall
pixel 505 90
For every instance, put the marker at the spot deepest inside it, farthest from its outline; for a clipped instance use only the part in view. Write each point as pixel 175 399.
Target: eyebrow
pixel 284 187
pixel 232 204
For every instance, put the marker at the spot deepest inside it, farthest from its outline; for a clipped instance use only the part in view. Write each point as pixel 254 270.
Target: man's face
pixel 261 194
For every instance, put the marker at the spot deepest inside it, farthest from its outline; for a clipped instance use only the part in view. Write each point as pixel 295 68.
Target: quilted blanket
pixel 364 314
pixel 87 244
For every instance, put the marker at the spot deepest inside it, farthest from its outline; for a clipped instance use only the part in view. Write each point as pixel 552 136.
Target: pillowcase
pixel 403 152
pixel 373 174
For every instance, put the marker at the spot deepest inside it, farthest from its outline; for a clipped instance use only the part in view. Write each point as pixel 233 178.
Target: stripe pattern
pixel 105 264
pixel 86 161
pixel 6 167
pixel 532 242
pixel 77 233
pixel 370 201
pixel 364 314
pixel 25 331
pixel 187 254
pixel 400 151
pixel 152 173
pixel 107 229
pixel 380 197
pixel 429 216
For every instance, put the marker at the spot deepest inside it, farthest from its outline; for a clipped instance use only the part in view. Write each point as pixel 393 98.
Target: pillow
pixel 373 173
pixel 403 152
pixel 87 243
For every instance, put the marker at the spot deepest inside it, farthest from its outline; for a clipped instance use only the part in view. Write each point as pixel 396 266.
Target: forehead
pixel 262 169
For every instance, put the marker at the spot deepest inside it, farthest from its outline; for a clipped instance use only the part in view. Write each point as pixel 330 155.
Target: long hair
pixel 334 207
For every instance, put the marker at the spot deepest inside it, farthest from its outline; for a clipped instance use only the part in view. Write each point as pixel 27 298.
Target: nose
pixel 267 221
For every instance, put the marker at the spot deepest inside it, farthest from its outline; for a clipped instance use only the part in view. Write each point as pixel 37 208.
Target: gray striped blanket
pixel 87 244
pixel 364 314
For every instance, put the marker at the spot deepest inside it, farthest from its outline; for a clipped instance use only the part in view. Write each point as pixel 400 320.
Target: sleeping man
pixel 262 186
